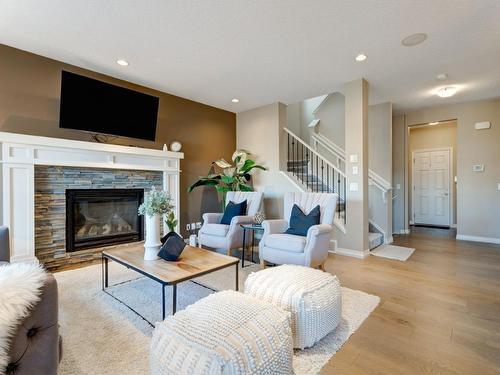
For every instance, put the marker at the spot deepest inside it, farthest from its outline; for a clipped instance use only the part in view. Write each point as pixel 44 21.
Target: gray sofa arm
pixel 4 244
pixel 36 346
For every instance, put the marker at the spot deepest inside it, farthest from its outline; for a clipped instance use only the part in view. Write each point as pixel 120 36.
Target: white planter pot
pixel 152 244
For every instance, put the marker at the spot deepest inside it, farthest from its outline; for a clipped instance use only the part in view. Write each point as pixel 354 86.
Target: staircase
pixel 313 172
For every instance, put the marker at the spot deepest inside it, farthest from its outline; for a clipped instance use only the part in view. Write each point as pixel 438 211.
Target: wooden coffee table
pixel 192 263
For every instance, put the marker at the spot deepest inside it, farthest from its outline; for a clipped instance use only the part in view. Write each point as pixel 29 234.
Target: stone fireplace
pixel 39 179
pixel 100 217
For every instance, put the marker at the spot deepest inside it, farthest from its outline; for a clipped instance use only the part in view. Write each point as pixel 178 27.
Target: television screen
pixel 98 107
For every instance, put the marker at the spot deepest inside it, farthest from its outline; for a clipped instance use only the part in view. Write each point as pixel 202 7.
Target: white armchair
pixel 227 237
pixel 280 248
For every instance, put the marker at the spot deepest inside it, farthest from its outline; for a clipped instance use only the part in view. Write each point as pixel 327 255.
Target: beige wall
pixel 437 136
pixel 29 104
pixel 260 132
pixel 380 162
pixel 478 200
pixel 399 217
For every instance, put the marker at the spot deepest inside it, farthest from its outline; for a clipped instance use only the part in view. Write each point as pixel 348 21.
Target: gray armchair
pixel 227 237
pixel 279 247
pixel 35 347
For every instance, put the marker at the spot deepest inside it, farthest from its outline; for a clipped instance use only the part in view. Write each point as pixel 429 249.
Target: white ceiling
pixel 263 51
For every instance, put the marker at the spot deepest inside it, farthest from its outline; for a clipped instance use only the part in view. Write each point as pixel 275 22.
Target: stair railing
pixel 315 172
pixel 339 154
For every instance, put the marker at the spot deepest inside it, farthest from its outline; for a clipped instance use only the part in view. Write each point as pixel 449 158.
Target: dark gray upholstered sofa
pixel 36 348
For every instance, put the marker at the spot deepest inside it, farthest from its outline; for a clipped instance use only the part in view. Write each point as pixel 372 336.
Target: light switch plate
pixel 478 168
pixel 353 186
pixel 498 186
pixel 188 226
pixel 353 158
pixel 198 225
pixel 398 186
pixel 354 169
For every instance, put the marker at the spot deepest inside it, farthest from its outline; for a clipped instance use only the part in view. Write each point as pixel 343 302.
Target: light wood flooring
pixel 439 311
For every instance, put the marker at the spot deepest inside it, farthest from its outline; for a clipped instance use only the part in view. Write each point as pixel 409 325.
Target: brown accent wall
pixel 29 104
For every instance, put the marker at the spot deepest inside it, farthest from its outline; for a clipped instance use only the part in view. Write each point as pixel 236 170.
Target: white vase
pixel 152 244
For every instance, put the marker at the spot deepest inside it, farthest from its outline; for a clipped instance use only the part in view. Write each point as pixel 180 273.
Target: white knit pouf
pixel 225 333
pixel 313 297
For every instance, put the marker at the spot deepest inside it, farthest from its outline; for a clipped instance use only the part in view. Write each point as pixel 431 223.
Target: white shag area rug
pixel 393 252
pixel 103 336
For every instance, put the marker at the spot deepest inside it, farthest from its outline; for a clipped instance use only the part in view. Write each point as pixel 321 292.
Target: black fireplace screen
pixel 102 217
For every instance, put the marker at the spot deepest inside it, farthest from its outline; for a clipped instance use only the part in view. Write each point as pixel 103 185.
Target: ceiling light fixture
pixel 434 123
pixel 235 100
pixel 442 76
pixel 414 39
pixel 446 92
pixel 122 62
pixel 360 57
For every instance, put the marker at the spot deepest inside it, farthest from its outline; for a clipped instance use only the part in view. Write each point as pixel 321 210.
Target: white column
pixel 18 198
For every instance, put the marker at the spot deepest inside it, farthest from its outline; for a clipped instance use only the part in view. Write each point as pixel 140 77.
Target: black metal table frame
pixel 105 283
pixel 252 243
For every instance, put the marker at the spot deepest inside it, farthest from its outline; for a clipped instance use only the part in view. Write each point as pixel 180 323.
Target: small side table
pixel 253 228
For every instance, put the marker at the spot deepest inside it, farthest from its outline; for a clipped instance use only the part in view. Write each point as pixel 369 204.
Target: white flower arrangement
pixel 156 202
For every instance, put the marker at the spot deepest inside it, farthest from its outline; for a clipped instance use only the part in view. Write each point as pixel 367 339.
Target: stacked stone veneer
pixel 50 206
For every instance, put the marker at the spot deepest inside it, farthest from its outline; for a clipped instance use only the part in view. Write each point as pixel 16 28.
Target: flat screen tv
pixel 99 107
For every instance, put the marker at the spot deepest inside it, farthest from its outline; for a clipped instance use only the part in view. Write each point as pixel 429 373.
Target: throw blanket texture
pixel 20 287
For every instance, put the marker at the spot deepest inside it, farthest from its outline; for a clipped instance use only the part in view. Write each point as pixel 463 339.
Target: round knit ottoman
pixel 225 333
pixel 313 297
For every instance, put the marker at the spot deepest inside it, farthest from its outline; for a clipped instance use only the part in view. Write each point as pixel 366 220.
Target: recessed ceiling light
pixel 446 92
pixel 414 39
pixel 442 76
pixel 434 123
pixel 122 62
pixel 235 100
pixel 360 57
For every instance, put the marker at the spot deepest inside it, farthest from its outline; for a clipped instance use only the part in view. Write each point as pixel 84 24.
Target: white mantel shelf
pixel 20 153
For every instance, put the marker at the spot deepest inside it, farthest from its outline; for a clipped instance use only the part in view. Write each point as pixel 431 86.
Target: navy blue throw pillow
pixel 300 222
pixel 232 210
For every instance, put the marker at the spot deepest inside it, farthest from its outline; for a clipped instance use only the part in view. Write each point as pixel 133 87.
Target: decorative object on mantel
pixel 232 177
pixel 156 203
pixel 175 146
pixel 259 217
pixel 165 147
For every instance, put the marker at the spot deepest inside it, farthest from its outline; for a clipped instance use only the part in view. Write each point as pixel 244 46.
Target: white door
pixel 431 187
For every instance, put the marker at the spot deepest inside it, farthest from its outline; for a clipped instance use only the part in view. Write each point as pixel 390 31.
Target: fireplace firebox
pixel 102 217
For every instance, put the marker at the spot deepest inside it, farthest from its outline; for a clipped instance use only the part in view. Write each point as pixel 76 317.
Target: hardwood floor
pixel 439 311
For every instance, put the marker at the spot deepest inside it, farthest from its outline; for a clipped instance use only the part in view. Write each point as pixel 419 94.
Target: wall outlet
pixel 353 158
pixel 355 169
pixel 188 226
pixel 353 186
pixel 198 225
pixel 398 186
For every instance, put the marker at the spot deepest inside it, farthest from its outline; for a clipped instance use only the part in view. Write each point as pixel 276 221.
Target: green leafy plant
pixel 231 177
pixel 156 202
pixel 171 221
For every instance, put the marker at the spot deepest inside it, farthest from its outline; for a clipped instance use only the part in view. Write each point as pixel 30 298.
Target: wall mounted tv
pixel 99 107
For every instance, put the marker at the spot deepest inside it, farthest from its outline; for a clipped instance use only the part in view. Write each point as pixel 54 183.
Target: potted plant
pixel 231 177
pixel 156 203
pixel 171 222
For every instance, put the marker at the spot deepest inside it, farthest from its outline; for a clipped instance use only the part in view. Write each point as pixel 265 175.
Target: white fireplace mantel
pixel 20 153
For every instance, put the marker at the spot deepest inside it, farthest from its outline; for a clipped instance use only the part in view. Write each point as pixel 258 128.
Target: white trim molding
pixel 352 253
pixel 20 154
pixel 465 237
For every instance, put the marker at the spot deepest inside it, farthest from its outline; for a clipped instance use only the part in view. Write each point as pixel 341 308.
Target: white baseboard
pixel 403 231
pixel 464 237
pixel 352 253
